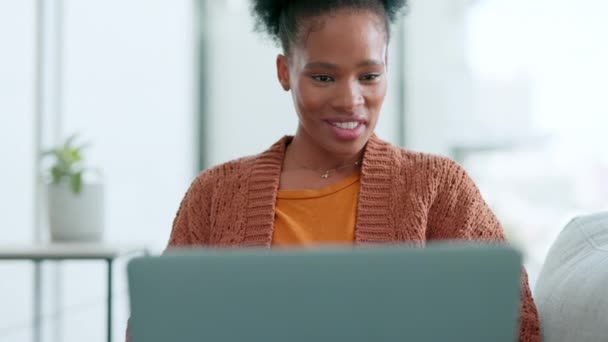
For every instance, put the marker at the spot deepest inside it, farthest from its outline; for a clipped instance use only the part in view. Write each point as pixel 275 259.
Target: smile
pixel 347 125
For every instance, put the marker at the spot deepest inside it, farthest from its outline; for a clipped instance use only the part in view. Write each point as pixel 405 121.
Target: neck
pixel 304 151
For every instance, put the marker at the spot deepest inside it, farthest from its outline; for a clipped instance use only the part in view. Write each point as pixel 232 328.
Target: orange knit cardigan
pixel 405 197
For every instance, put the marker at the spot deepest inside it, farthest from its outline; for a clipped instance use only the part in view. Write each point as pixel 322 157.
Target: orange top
pixel 327 215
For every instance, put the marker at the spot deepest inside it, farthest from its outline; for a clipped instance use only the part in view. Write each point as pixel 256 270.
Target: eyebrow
pixel 325 65
pixel 370 62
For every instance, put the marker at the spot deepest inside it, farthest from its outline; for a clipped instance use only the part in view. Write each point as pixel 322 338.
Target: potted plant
pixel 75 206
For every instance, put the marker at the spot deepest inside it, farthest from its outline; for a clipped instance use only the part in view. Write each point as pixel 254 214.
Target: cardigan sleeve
pixel 459 212
pixel 191 225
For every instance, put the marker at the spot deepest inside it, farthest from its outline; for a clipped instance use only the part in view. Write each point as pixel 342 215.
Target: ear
pixel 283 71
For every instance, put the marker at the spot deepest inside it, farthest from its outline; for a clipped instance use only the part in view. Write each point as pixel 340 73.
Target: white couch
pixel 572 289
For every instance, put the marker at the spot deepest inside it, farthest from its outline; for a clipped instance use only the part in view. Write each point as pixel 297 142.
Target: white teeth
pixel 346 125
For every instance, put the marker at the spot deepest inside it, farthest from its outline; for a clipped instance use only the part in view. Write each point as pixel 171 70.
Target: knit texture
pixel 405 197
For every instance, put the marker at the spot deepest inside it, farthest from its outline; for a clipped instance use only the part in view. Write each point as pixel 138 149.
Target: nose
pixel 348 97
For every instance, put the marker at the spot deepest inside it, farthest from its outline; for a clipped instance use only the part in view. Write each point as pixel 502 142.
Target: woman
pixel 335 181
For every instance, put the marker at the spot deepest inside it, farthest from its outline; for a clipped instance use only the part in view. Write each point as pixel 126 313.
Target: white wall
pixel 130 77
pixel 438 104
pixel 130 80
pixel 16 122
pixel 540 66
pixel 130 88
pixel 16 165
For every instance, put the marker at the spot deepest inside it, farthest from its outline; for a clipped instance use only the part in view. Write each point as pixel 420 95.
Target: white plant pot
pixel 76 217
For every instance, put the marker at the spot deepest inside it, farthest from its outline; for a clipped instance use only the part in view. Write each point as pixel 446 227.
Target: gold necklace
pixel 326 173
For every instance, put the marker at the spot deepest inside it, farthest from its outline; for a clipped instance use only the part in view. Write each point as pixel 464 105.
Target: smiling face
pixel 337 77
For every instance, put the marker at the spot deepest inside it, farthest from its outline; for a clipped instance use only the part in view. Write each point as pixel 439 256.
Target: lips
pixel 347 129
pixel 346 123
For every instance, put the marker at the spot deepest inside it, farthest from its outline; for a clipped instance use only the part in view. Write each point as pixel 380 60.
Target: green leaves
pixel 56 173
pixel 76 182
pixel 67 164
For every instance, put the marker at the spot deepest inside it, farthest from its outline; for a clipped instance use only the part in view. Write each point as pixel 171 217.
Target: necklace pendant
pixel 325 175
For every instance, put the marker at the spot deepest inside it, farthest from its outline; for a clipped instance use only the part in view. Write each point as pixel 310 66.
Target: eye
pixel 369 77
pixel 322 78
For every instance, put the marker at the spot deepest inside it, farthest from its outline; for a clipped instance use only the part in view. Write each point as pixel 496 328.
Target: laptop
pixel 438 293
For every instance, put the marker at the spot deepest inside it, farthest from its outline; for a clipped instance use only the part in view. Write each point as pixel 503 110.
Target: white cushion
pixel 572 289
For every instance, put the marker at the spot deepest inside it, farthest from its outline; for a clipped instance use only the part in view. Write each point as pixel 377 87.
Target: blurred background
pixel 514 90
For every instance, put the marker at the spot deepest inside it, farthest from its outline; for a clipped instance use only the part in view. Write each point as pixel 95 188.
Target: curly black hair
pixel 281 19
